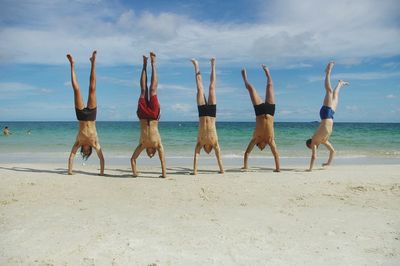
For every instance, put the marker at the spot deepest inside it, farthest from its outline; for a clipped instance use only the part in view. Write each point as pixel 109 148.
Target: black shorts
pixel 264 109
pixel 86 114
pixel 207 110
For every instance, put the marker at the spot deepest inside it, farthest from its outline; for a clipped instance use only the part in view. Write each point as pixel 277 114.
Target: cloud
pixel 358 76
pixel 390 96
pixel 182 107
pixel 345 30
pixel 352 108
pixel 9 90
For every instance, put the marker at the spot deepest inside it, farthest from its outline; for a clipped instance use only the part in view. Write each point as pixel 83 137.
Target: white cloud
pixel 16 89
pixel 391 96
pixel 182 107
pixel 352 108
pixel 357 76
pixel 345 30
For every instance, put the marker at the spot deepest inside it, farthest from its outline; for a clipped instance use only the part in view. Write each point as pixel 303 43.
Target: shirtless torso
pixel 87 134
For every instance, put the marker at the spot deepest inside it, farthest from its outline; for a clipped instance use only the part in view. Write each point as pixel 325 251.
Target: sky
pixel 294 38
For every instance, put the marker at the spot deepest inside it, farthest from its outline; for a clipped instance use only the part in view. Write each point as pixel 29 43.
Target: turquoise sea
pixel 52 141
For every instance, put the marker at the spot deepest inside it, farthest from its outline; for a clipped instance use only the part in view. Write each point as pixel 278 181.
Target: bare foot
pixel 343 83
pixel 329 67
pixel 244 74
pixel 266 70
pixel 145 60
pixel 70 59
pixel 152 57
pixel 212 60
pixel 194 62
pixel 93 58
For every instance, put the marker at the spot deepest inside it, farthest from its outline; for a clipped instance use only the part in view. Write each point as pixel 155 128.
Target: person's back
pixel 6 131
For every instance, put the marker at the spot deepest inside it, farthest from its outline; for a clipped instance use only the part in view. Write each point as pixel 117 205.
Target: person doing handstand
pixel 87 136
pixel 264 132
pixel 324 131
pixel 148 113
pixel 207 137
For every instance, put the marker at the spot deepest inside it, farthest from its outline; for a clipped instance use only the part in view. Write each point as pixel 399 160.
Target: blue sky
pixel 294 38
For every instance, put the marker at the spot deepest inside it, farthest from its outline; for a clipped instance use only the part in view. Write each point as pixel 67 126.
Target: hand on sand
pixel 193 173
pixel 277 170
pixel 221 172
pixel 163 176
pixel 135 174
pixel 308 170
pixel 325 164
pixel 70 173
pixel 101 174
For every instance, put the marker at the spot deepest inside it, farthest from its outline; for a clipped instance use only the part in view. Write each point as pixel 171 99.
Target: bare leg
pixel 199 83
pixel 154 80
pixel 335 99
pixel 92 86
pixel 77 92
pixel 269 93
pixel 212 99
pixel 255 99
pixel 328 88
pixel 143 80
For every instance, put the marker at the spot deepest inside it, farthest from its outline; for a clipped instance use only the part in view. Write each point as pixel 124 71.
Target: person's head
pixel 6 128
pixel 208 148
pixel 150 152
pixel 261 145
pixel 86 151
pixel 308 143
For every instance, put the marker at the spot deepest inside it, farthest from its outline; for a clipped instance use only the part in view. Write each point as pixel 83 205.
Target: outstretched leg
pixel 92 86
pixel 269 92
pixel 328 88
pixel 154 80
pixel 212 99
pixel 255 99
pixel 143 80
pixel 199 83
pixel 335 99
pixel 77 92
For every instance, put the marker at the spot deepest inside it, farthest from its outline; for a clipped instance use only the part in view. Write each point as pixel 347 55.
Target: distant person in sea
pixel 207 137
pixel 148 113
pixel 87 136
pixel 324 131
pixel 264 132
pixel 6 131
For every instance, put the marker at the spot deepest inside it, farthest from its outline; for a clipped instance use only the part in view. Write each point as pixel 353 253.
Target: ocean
pixel 32 142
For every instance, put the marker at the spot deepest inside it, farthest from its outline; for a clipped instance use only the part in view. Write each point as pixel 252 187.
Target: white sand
pixel 345 215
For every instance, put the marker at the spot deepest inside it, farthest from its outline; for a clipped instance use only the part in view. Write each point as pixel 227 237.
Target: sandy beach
pixel 344 215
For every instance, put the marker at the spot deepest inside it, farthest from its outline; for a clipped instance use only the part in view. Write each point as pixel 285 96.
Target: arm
pixel 218 155
pixel 101 157
pixel 162 159
pixel 135 155
pixel 313 156
pixel 247 153
pixel 331 153
pixel 196 155
pixel 274 151
pixel 75 147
